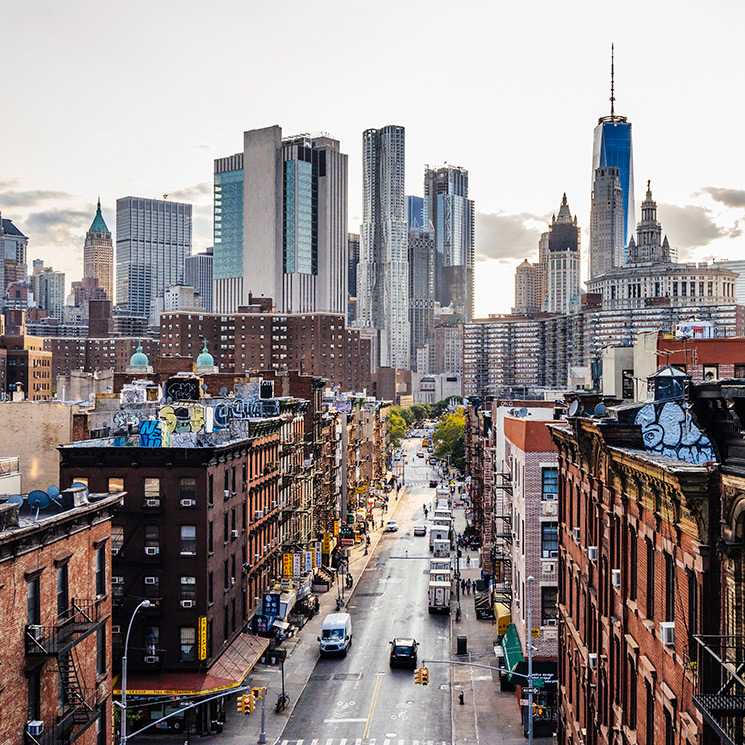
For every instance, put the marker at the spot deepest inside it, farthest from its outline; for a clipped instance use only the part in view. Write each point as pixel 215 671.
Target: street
pixel 360 697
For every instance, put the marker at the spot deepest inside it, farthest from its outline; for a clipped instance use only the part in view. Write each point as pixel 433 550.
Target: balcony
pixel 719 692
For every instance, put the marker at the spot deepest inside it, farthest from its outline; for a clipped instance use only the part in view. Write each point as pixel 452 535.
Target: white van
pixel 336 634
pixel 438 533
pixel 441 565
pixel 441 548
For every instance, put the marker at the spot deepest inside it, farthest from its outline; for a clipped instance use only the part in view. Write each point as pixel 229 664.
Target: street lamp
pixel 529 643
pixel 123 706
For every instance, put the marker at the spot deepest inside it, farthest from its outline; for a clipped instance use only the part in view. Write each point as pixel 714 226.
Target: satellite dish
pixel 78 485
pixel 204 387
pixel 523 411
pixel 39 499
pixel 599 410
pixel 224 391
pixel 53 492
pixel 574 408
pixel 15 499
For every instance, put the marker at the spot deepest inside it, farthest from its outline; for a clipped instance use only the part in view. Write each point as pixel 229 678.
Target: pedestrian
pixel 463 586
pixel 468 561
pixel 468 586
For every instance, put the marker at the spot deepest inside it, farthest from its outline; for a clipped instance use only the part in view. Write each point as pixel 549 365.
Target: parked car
pixel 391 526
pixel 433 483
pixel 420 454
pixel 403 653
pixel 420 530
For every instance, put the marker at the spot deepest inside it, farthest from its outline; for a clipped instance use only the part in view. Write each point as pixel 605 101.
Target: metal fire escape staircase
pixel 503 539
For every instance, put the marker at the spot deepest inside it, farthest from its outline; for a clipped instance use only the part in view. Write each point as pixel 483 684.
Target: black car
pixel 403 653
pixel 432 483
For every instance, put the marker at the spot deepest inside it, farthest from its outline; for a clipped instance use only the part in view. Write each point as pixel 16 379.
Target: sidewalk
pixel 302 655
pixel 487 716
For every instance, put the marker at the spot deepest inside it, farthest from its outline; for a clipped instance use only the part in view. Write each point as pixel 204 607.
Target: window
pixel 101 650
pixel 151 487
pixel 188 588
pixel 210 588
pixel 549 540
pixel 188 644
pixel 34 696
pixel 152 588
pixel 62 591
pixel 152 640
pixel 549 606
pixel 116 484
pixel 210 537
pixel 650 714
pixel 188 545
pixel 740 371
pixel 669 588
pixel 550 483
pixel 210 490
pixel 692 615
pixel 117 538
pixel 632 694
pixel 627 384
pixel 711 372
pixel 152 540
pixel 632 565
pixel 100 571
pixel 33 603
pixel 187 488
pixel 650 580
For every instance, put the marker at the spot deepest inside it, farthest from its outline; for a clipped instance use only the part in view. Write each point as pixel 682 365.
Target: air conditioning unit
pixel 234 533
pixel 116 629
pixel 187 603
pixel 117 580
pixel 35 631
pixel 549 567
pixel 257 557
pixel 152 503
pixel 554 554
pixel 227 494
pixel 551 635
pixel 188 502
pixel 592 660
pixel 551 622
pixel 576 534
pixel 667 633
pixel 258 514
pixel 151 550
pixel 615 575
pixel 115 550
pixel 151 580
pixel 35 727
pixel 232 580
pixel 592 553
pixel 151 658
pixel 274 504
pixel 550 508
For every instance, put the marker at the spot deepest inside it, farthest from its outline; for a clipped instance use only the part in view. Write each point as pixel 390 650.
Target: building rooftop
pixel 99 224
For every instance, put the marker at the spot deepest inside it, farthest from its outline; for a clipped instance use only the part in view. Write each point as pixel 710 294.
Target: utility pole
pixel 262 734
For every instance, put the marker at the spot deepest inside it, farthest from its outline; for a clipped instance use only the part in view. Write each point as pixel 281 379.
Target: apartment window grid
pixel 549 540
pixel 550 483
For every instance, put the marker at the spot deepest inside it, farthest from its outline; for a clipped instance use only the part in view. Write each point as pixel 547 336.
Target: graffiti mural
pixel 183 418
pixel 150 434
pixel 132 394
pixel 668 429
pixel 243 408
pixel 182 389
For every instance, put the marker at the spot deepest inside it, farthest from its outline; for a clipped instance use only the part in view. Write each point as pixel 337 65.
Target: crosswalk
pixel 362 741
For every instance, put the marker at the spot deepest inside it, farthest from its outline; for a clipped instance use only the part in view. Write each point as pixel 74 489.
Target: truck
pixel 441 564
pixel 441 548
pixel 439 597
pixel 440 575
pixel 438 533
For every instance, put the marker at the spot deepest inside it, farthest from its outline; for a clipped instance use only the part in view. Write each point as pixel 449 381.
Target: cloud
pixel 727 197
pixel 10 197
pixel 502 236
pixel 691 226
pixel 62 227
pixel 194 193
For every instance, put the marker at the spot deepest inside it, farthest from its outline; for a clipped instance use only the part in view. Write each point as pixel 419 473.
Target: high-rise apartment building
pixel 415 213
pixel 48 288
pixel 612 148
pixel 422 280
pixel 13 250
pixel 450 213
pixel 353 248
pixel 563 262
pixel 98 254
pixel 280 217
pixel 529 287
pixel 383 272
pixel 198 274
pixel 153 239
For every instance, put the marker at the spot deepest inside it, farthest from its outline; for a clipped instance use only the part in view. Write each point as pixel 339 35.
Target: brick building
pixel 28 367
pixel 55 660
pixel 95 354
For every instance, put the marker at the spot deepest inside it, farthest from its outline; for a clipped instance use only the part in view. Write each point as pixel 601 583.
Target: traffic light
pixel 250 702
pixel 418 676
pixel 538 710
pixel 425 676
pixel 241 704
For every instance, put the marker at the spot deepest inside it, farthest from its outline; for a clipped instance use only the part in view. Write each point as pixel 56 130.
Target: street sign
pixel 530 690
pixel 523 702
pixel 271 604
pixel 535 633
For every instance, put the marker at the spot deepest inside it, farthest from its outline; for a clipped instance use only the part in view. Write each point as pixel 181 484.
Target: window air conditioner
pixel 115 550
pixel 116 629
pixel 35 727
pixel 234 533
pixel 549 567
pixel 152 503
pixel 35 631
pixel 554 554
pixel 187 603
pixel 550 508
pixel 232 580
pixel 227 494
pixel 188 502
pixel 576 534
pixel 592 659
pixel 551 622
pixel 151 550
pixel 592 553
pixel 258 514
pixel 151 658
pixel 667 633
pixel 117 580
pixel 151 580
pixel 257 557
pixel 616 577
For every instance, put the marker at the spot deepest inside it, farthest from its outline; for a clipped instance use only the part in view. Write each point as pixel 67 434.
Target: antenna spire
pixel 612 81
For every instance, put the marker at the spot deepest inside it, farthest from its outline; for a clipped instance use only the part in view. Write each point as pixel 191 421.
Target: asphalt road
pixel 360 698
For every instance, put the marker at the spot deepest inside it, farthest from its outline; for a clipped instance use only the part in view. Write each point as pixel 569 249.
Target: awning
pixel 278 624
pixel 513 650
pixel 229 671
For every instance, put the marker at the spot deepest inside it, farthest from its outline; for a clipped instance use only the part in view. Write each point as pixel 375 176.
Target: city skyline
pixel 50 178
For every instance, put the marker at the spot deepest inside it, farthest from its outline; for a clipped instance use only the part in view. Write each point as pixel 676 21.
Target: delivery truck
pixel 439 597
pixel 441 548
pixel 438 533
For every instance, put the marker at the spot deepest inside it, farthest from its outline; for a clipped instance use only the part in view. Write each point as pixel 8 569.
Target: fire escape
pixel 81 707
pixel 503 539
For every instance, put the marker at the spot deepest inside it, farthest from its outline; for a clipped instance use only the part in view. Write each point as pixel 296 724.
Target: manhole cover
pixel 347 676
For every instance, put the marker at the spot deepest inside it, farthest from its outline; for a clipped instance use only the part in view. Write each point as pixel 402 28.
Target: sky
pixel 139 98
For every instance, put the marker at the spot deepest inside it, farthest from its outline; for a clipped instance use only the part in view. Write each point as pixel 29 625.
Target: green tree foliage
pixel 420 412
pixel 405 414
pixel 438 409
pixel 449 438
pixel 396 428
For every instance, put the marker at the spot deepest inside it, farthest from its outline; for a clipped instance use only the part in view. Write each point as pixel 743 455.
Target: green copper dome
pixel 205 359
pixel 99 224
pixel 139 358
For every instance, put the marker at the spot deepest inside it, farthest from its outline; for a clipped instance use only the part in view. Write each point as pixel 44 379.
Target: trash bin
pixel 462 645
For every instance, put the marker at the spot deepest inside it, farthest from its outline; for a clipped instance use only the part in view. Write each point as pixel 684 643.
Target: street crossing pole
pixel 529 643
pixel 262 734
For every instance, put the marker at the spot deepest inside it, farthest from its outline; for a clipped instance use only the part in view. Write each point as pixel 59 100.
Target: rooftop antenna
pixel 612 81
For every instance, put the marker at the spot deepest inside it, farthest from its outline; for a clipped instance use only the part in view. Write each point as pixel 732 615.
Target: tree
pixel 406 414
pixel 438 409
pixel 396 428
pixel 449 438
pixel 420 411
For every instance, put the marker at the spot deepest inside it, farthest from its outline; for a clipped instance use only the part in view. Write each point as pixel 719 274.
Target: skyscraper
pixel 421 289
pixel 353 259
pixel 563 270
pixel 612 148
pixel 383 272
pixel 13 249
pixel 281 223
pixel 607 223
pixel 198 274
pixel 98 254
pixel 48 288
pixel 153 238
pixel 450 213
pixel 415 213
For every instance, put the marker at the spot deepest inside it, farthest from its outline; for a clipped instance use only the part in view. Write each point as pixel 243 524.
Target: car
pixel 420 454
pixel 391 526
pixel 403 652
pixel 420 530
pixel 433 483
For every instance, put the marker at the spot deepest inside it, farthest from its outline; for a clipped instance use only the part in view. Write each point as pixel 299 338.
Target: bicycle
pixel 282 700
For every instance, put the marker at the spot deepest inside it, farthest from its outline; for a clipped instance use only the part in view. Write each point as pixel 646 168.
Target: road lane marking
pixel 329 741
pixel 373 701
pixel 338 721
pixel 343 741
